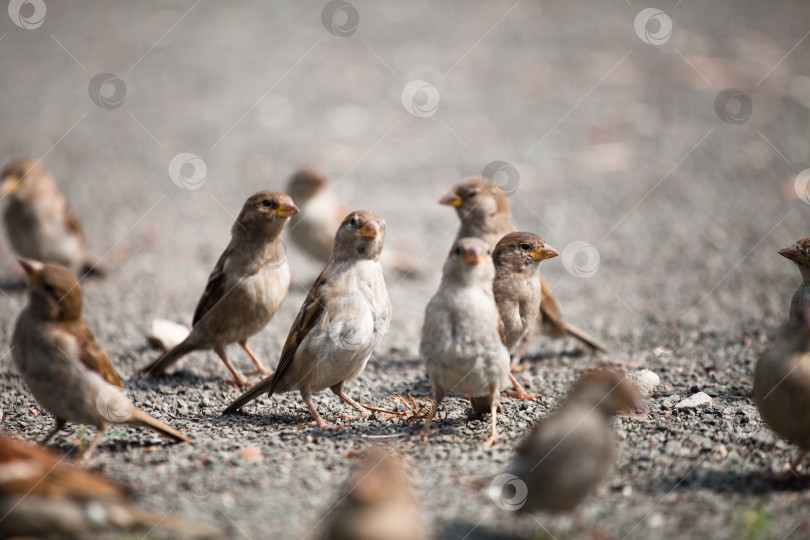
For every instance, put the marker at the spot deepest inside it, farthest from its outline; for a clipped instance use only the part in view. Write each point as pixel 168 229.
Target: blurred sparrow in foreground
pixel 62 363
pixel 517 284
pixel 343 318
pixel 800 254
pixel 42 495
pixel 38 221
pixel 485 213
pixel 246 287
pixel 313 230
pixel 377 502
pixel 571 451
pixel 782 385
pixel 461 344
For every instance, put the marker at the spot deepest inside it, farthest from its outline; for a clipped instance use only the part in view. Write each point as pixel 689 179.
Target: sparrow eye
pixel 459 251
pixel 472 193
pixel 353 221
pixel 48 288
pixel 267 203
pixel 524 246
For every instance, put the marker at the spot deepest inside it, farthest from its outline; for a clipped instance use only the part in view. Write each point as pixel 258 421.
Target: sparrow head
pixel 476 199
pixel 306 183
pixel 361 235
pixel 607 390
pixel 24 179
pixel 521 251
pixel 265 214
pixel 55 295
pixel 469 262
pixel 798 252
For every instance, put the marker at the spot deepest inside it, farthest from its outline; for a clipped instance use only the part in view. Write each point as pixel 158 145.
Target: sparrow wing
pixel 72 224
pixel 91 355
pixel 26 468
pixel 214 290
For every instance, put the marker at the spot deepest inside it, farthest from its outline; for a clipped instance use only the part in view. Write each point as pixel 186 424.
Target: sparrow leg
pixel 492 440
pixel 237 377
pixel 516 357
pixel 260 369
pixel 338 391
pixel 520 393
pixel 306 395
pixel 59 425
pixel 93 445
pixel 439 396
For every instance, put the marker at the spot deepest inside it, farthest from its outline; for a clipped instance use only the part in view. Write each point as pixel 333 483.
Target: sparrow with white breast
pixel 246 287
pixel 571 451
pixel 63 365
pixel 485 213
pixel 799 253
pixel 313 230
pixel 38 221
pixel 462 341
pixel 343 318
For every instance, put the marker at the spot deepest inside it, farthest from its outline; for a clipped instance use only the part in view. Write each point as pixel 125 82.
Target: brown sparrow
pixel 462 344
pixel 313 230
pixel 246 287
pixel 800 254
pixel 571 451
pixel 38 221
pixel 62 363
pixel 343 318
pixel 485 213
pixel 42 495
pixel 782 384
pixel 377 502
pixel 517 287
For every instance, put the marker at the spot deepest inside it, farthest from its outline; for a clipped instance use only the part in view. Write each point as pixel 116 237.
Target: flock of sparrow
pixel 491 301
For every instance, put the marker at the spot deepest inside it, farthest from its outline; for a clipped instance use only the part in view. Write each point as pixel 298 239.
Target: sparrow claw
pixel 239 383
pixel 262 372
pixel 521 395
pixel 519 368
pixel 490 441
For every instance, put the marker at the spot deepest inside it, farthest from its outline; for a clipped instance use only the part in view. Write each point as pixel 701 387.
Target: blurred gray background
pixel 622 137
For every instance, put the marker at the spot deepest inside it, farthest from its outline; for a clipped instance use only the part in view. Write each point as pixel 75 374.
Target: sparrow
pixel 377 502
pixel 485 213
pixel 313 230
pixel 571 451
pixel 462 344
pixel 517 286
pixel 343 318
pixel 782 384
pixel 245 289
pixel 38 221
pixel 800 254
pixel 63 365
pixel 43 495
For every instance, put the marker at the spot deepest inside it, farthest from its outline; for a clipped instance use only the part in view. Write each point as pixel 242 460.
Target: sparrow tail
pixel 169 358
pixel 581 335
pixel 140 418
pixel 247 397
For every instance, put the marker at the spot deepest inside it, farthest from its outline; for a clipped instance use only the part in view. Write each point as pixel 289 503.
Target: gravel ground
pixel 620 141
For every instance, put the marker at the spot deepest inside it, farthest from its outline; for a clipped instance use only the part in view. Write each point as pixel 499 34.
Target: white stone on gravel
pixel 695 401
pixel 166 334
pixel 647 381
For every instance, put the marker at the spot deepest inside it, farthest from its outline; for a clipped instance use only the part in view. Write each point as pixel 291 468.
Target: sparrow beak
pixel 451 199
pixel 32 268
pixel 474 255
pixel 370 229
pixel 287 210
pixel 545 252
pixel 791 253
